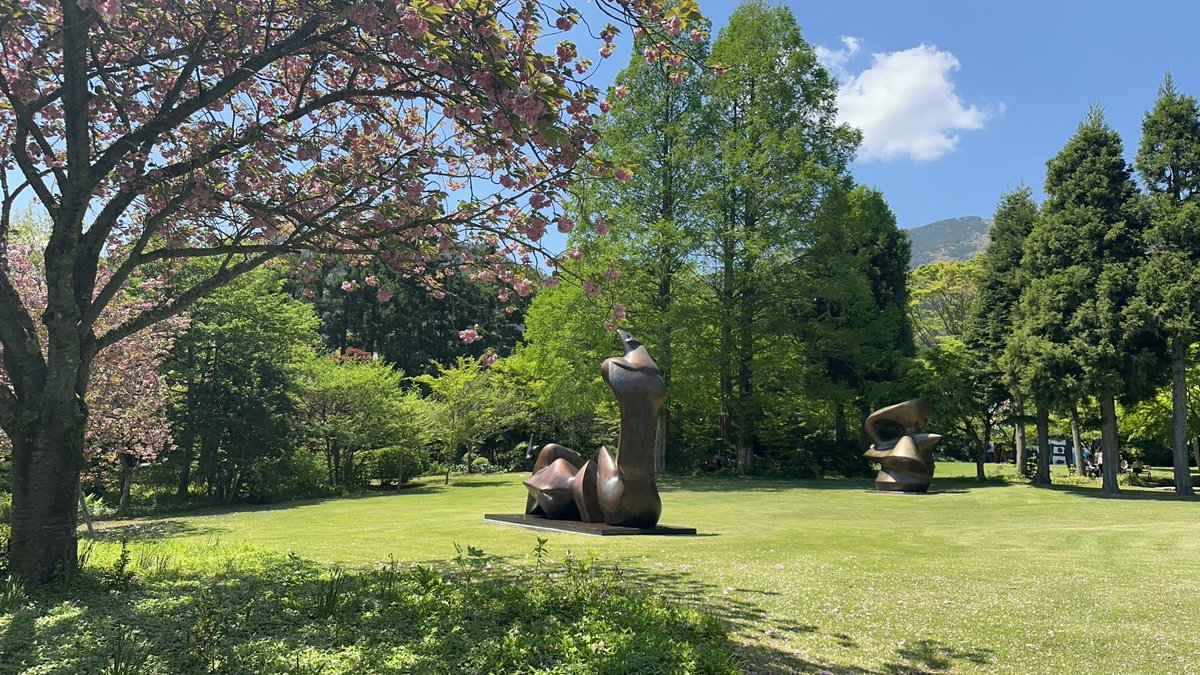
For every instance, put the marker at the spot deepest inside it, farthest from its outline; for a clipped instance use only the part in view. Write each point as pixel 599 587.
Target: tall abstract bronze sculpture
pixel 614 490
pixel 903 450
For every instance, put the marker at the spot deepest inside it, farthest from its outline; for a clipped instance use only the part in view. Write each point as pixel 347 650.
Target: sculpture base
pixel 578 527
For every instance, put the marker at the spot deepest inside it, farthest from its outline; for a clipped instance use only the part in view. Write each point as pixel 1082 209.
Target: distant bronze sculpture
pixel 615 490
pixel 903 450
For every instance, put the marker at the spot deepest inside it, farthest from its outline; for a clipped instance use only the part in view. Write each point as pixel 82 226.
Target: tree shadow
pixel 744 484
pixel 149 530
pixel 1144 494
pixel 924 656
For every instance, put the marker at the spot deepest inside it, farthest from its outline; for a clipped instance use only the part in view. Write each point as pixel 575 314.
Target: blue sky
pixel 961 101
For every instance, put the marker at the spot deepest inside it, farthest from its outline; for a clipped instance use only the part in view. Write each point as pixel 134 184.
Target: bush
pixel 298 474
pixel 395 464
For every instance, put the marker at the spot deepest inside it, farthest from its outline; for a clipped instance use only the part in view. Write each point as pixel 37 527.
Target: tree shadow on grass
pixel 743 484
pixel 1125 494
pixel 149 530
pixel 749 622
pixel 924 656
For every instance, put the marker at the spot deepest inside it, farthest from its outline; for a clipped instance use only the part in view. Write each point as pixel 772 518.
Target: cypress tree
pixel 1168 161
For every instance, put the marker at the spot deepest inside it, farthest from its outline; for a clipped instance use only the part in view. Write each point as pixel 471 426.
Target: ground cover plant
pixel 828 575
pixel 180 607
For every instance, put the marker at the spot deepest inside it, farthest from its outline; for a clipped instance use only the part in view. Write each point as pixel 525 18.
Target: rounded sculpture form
pixel 616 490
pixel 903 450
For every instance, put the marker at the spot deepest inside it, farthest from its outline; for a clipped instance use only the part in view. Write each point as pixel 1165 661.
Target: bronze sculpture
pixel 903 450
pixel 615 490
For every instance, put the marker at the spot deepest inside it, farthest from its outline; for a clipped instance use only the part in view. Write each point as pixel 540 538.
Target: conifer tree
pixel 1081 258
pixel 990 319
pixel 1168 161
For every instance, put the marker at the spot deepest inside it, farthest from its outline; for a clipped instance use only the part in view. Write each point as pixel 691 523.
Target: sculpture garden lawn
pixel 826 575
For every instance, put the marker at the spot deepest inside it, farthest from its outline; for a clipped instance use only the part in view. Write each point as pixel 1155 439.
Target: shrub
pixel 394 464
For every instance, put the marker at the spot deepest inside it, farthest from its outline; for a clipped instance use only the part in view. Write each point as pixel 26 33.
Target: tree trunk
pixel 1019 450
pixel 745 416
pixel 660 440
pixel 1042 477
pixel 186 453
pixel 839 423
pixel 1108 443
pixel 980 473
pixel 46 461
pixel 1179 399
pixel 127 463
pixel 1076 439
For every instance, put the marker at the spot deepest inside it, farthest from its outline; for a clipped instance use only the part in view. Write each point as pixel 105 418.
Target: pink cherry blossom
pixel 371 281
pixel 347 286
pixel 469 335
pixel 384 295
pixel 601 226
pixel 590 289
pixel 612 274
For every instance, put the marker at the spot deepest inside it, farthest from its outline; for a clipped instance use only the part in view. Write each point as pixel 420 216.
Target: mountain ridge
pixel 958 238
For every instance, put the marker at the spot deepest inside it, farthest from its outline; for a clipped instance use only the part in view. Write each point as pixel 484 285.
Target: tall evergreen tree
pixel 990 318
pixel 1081 255
pixel 1168 161
pixel 780 152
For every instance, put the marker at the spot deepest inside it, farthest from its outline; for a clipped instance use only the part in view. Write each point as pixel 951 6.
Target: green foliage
pixel 349 405
pixel 468 404
pixel 413 329
pixel 233 610
pixel 233 374
pixel 1081 260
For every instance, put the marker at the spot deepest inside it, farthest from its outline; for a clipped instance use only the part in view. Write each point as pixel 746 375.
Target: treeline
pixel 1082 306
pixel 769 287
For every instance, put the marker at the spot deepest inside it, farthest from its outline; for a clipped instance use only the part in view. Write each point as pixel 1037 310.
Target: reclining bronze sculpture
pixel 903 450
pixel 614 490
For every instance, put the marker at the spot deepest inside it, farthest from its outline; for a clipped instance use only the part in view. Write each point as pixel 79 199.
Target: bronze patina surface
pixel 620 490
pixel 901 446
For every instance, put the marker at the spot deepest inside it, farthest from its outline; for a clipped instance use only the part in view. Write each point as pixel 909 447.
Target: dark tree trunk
pixel 660 439
pixel 1179 399
pixel 839 423
pixel 46 461
pixel 745 415
pixel 1076 439
pixel 1020 452
pixel 128 462
pixel 1109 447
pixel 980 473
pixel 186 455
pixel 1042 476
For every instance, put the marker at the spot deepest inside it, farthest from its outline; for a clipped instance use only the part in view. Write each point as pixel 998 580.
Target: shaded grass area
pixel 175 607
pixel 830 575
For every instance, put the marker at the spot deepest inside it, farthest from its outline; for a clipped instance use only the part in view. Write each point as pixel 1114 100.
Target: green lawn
pixel 830 575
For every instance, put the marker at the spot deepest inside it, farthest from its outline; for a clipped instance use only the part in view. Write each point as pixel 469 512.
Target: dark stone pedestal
pixel 577 527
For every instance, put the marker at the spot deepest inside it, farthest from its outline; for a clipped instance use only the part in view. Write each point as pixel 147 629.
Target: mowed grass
pixel 830 575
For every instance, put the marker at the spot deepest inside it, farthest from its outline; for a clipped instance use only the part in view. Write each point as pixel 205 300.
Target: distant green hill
pixel 951 239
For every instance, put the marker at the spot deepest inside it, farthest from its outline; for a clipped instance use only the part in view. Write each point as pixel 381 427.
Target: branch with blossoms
pixel 196 129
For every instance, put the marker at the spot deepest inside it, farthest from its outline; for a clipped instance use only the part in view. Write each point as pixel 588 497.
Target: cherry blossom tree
pixel 127 422
pixel 437 135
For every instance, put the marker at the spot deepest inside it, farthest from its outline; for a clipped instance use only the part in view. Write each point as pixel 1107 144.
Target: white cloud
pixel 835 60
pixel 905 102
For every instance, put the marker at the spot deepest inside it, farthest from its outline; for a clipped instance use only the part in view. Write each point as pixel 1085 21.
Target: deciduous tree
pixel 153 132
